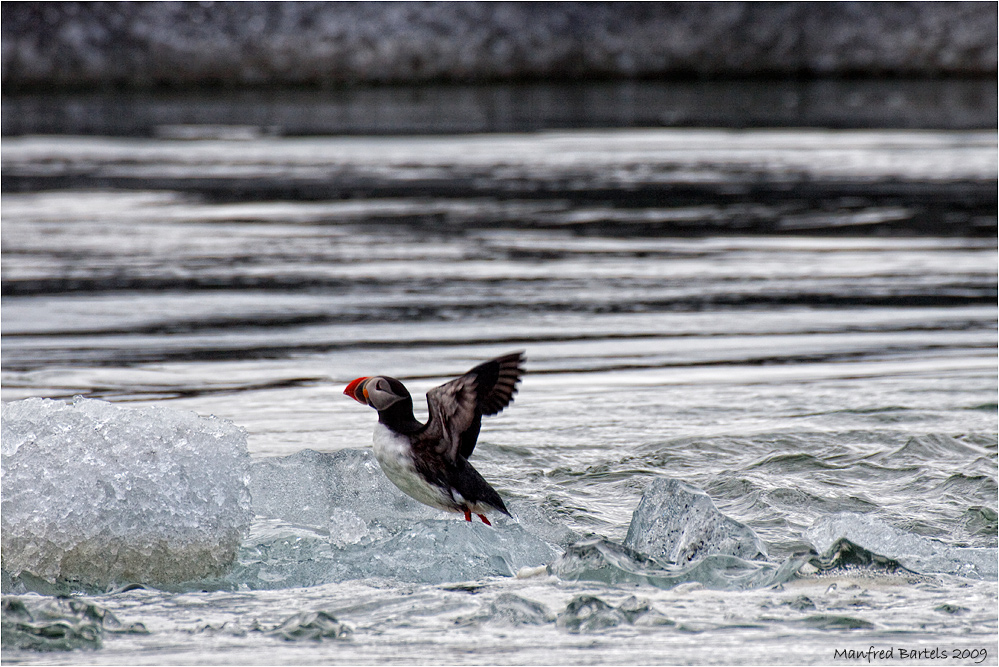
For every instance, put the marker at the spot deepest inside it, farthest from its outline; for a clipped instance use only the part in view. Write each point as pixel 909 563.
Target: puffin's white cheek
pixel 379 400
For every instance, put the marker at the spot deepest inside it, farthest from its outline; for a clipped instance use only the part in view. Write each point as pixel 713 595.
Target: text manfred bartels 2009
pixel 873 653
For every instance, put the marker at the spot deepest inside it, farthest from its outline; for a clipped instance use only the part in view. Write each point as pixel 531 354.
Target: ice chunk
pixel 346 527
pixel 58 624
pixel 430 551
pixel 346 493
pixel 308 487
pixel 639 611
pixel 679 523
pixel 601 560
pixel 539 521
pixel 95 494
pixel 343 493
pixel 920 554
pixel 597 559
pixel 281 555
pixel 444 550
pixel 586 613
pixel 328 517
pixel 510 609
pixel 313 626
pixel 799 603
pixel 844 554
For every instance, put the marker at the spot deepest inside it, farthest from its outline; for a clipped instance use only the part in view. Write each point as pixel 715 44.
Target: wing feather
pixel 457 407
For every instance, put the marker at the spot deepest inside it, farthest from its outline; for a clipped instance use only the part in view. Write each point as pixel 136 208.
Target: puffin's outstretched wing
pixel 457 407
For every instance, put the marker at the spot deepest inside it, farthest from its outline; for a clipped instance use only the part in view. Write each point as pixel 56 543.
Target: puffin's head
pixel 379 392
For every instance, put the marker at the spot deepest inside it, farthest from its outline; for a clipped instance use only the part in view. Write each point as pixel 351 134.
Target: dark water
pixel 951 104
pixel 800 322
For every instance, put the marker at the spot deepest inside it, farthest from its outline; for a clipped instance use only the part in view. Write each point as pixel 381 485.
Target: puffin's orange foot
pixel 484 519
pixel 468 515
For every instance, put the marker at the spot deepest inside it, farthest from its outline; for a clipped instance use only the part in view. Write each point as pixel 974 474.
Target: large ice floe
pixel 98 495
pixel 327 517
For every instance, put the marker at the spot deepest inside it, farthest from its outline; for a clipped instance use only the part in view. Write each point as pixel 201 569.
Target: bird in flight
pixel 429 462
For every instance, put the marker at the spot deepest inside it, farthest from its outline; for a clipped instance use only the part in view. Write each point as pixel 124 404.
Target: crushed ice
pixel 97 494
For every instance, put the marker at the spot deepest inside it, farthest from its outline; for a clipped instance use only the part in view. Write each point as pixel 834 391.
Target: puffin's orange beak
pixel 356 390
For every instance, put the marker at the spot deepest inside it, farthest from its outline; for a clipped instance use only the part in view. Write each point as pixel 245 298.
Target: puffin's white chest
pixel 395 456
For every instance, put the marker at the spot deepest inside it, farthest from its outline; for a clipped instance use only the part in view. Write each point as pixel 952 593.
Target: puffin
pixel 429 462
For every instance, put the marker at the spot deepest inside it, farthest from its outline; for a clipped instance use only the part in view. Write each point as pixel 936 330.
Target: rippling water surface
pixel 801 323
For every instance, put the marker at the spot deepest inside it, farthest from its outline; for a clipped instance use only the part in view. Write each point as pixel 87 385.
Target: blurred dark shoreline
pixel 190 69
pixel 49 46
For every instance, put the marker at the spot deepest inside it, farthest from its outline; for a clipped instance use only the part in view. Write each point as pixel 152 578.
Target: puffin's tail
pixel 475 489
